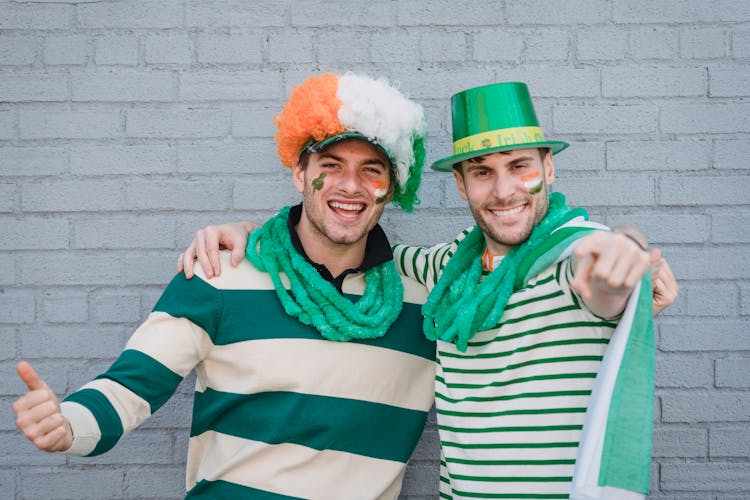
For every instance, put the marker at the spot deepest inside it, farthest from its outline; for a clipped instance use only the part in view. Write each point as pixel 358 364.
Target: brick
pixel 63 341
pixel 732 154
pixel 706 407
pixel 8 266
pixel 254 122
pixel 179 195
pixel 69 124
pixel 8 481
pixel 106 159
pixel 17 50
pixel 389 46
pixel 35 16
pixel 92 483
pixel 72 196
pixel 289 47
pixel 636 11
pixel 263 194
pixel 581 156
pixel 69 268
pixel 726 226
pixel 601 44
pixel 149 268
pixel 231 86
pixel 607 191
pixel 684 370
pixel 66 49
pixel 123 86
pixel 704 190
pixel 680 442
pixel 430 192
pixel 116 306
pixel 160 482
pixel 713 476
pixel 572 83
pixel 123 231
pixel 7 119
pixel 131 14
pixel 439 83
pixel 116 49
pixel 705 335
pixel 427 232
pixel 52 372
pixel 177 124
pixel 496 45
pixel 705 118
pixel 604 119
pixel 26 454
pixel 64 306
pixel 558 12
pixel 343 13
pixel 8 198
pixel 260 13
pixel 710 263
pixel 168 48
pixel 33 233
pixel 33 161
pixel 441 45
pixel 422 479
pixel 741 44
pixel 653 43
pixel 138 447
pixel 729 441
pixel 703 43
pixel 728 81
pixel 639 81
pixel 342 48
pixel 37 87
pixel 229 49
pixel 659 155
pixel 9 336
pixel 706 299
pixel 547 44
pixel 176 412
pixel 733 372
pixel 257 157
pixel 17 306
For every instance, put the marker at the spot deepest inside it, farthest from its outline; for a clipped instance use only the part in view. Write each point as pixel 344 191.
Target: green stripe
pixel 541 314
pixel 514 396
pixel 266 319
pixel 527 348
pixel 557 376
pixel 570 461
pixel 540 496
pixel 542 361
pixel 106 417
pixel 211 490
pixel 320 422
pixel 417 252
pixel 144 376
pixel 493 446
pixel 521 428
pixel 556 326
pixel 541 282
pixel 540 298
pixel 545 411
pixel 513 479
pixel 193 299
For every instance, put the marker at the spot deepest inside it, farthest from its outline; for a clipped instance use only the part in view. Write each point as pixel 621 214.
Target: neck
pixel 337 257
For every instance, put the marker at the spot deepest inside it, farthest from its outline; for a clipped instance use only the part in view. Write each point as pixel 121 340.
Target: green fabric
pixel 626 455
pixel 145 376
pixel 462 303
pixel 106 417
pixel 193 299
pixel 357 427
pixel 213 490
pixel 315 301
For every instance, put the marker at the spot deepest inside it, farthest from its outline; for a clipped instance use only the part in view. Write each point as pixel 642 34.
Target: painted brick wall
pixel 126 125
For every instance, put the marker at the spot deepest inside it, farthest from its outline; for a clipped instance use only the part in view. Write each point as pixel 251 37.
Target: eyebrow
pixel 369 161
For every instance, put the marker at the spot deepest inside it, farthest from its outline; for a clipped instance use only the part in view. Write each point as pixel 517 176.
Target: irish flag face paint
pixel 380 190
pixel 532 182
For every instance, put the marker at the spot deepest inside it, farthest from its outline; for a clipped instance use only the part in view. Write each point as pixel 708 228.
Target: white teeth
pixel 347 206
pixel 504 213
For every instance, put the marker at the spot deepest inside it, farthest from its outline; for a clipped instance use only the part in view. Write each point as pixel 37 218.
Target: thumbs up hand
pixel 38 413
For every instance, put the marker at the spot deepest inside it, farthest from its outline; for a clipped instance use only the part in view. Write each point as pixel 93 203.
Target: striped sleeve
pixel 159 354
pixel 423 264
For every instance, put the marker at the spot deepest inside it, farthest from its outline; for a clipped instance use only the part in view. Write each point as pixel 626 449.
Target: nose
pixel 504 186
pixel 350 181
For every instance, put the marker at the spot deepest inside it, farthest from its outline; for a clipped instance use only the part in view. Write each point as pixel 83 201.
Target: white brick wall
pixel 126 125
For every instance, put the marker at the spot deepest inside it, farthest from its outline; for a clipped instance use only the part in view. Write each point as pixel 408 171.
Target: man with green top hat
pixel 544 383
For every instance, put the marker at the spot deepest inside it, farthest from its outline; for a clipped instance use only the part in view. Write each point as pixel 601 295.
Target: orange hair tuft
pixel 310 113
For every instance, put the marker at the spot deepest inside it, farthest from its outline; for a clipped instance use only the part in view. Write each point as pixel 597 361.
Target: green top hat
pixel 492 118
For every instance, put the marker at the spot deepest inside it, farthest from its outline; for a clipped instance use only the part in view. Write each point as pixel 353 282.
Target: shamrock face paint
pixel 317 183
pixel 532 182
pixel 380 190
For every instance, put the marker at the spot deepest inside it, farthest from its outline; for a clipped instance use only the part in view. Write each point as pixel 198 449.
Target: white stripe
pixel 86 433
pixel 290 469
pixel 131 408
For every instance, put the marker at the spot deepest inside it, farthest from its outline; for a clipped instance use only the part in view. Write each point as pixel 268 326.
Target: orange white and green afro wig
pixel 331 107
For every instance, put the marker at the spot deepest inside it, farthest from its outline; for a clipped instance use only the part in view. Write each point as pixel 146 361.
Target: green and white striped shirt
pixel 511 408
